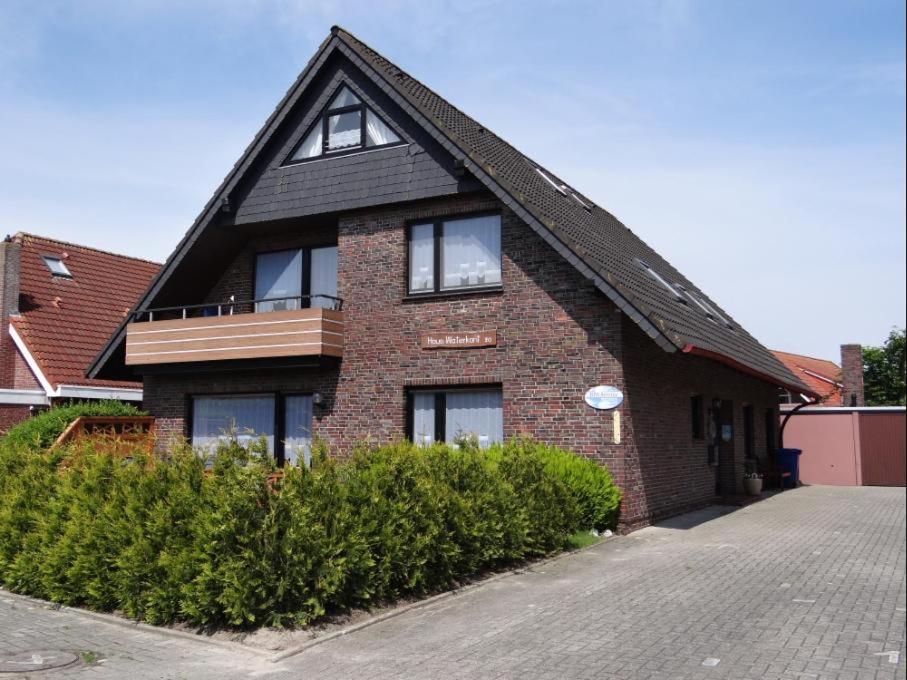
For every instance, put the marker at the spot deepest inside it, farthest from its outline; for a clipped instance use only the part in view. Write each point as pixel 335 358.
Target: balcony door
pixel 292 279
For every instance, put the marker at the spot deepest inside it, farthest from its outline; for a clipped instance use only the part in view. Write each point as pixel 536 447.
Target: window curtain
pixel 298 425
pixel 324 276
pixel 277 275
pixel 478 413
pixel 344 98
pixel 376 132
pixel 344 130
pixel 422 258
pixel 423 418
pixel 472 252
pixel 243 417
pixel 311 145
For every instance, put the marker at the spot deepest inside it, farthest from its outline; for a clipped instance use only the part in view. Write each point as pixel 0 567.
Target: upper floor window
pixel 57 266
pixel 346 125
pixel 455 254
pixel 292 279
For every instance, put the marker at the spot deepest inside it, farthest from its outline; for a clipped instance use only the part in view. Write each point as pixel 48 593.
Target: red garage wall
pixel 849 446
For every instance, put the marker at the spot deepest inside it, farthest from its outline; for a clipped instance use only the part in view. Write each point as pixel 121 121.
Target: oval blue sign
pixel 604 397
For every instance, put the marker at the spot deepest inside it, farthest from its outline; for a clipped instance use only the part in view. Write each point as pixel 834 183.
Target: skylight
pixel 562 188
pixel 711 313
pixel 346 125
pixel 57 266
pixel 663 281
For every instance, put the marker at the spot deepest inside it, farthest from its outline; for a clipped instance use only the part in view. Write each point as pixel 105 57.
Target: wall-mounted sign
pixel 604 397
pixel 459 340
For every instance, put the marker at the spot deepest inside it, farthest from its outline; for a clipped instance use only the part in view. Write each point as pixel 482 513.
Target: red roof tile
pixel 821 375
pixel 66 321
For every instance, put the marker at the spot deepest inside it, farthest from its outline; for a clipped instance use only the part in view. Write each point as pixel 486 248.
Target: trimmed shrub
pixel 162 540
pixel 593 489
pixel 43 429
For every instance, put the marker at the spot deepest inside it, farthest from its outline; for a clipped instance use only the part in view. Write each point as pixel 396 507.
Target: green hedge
pixel 165 542
pixel 43 429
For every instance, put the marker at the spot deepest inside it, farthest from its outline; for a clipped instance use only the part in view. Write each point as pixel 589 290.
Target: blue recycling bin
pixel 790 462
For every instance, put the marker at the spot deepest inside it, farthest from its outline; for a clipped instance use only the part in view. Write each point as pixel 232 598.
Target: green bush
pixel 590 484
pixel 162 541
pixel 42 430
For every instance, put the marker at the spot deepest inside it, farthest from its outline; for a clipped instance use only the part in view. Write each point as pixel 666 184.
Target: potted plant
pixel 752 478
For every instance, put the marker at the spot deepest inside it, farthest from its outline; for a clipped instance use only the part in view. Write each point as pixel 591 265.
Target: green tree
pixel 884 370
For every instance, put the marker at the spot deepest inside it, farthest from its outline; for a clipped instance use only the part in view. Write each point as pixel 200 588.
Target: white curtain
pixel 276 275
pixel 423 418
pixel 478 413
pixel 243 417
pixel 472 252
pixel 344 130
pixel 344 98
pixel 298 426
pixel 324 276
pixel 422 258
pixel 311 145
pixel 376 132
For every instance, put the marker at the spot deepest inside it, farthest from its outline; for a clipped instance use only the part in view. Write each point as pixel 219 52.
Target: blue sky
pixel 759 146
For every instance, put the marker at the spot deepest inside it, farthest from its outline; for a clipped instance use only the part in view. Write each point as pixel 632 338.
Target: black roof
pixel 589 237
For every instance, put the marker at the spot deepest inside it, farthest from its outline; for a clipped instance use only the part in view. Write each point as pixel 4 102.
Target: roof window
pixel 675 293
pixel 710 312
pixel 563 189
pixel 57 266
pixel 346 125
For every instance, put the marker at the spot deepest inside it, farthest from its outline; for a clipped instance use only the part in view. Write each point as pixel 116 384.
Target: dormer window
pixel 347 125
pixel 56 266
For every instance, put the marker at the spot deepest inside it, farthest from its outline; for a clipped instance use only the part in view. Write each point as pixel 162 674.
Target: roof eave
pixel 795 386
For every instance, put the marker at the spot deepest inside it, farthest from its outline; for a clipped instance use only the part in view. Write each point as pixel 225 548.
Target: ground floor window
pixel 436 415
pixel 285 422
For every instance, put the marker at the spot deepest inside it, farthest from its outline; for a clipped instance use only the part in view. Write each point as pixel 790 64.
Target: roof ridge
pixel 805 356
pixel 37 237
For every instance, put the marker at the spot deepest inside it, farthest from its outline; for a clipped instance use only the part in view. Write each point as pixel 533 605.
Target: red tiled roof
pixel 821 375
pixel 66 321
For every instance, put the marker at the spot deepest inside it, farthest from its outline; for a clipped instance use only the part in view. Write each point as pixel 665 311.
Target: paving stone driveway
pixel 806 584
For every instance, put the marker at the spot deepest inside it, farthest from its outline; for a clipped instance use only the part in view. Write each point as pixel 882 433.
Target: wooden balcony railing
pixel 220 332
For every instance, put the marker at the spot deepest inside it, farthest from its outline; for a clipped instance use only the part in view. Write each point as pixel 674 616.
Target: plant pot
pixel 752 486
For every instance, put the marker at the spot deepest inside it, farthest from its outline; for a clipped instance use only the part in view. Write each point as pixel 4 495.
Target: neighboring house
pixel 59 302
pixel 378 265
pixel 834 386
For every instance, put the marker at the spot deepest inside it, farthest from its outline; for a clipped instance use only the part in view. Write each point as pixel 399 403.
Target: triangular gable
pixel 592 240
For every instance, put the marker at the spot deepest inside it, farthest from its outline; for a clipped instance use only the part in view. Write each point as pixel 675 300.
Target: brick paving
pixel 806 584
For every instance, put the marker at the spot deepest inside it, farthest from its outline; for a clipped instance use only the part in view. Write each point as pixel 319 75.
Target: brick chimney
pixel 852 375
pixel 10 259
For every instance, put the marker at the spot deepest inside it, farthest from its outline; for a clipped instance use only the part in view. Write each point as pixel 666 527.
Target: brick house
pixel 59 303
pixel 378 265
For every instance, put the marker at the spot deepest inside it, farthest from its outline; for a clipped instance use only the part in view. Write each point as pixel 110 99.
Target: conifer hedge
pixel 163 540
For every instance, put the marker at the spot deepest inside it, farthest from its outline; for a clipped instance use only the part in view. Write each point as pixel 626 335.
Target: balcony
pixel 236 330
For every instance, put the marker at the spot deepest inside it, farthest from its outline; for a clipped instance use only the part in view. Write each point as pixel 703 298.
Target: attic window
pixel 563 189
pixel 346 125
pixel 711 313
pixel 663 281
pixel 57 266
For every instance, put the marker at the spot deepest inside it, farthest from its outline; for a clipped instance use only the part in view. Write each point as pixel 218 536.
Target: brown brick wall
pixel 557 336
pixel 664 470
pixel 12 415
pixel 851 376
pixel 550 321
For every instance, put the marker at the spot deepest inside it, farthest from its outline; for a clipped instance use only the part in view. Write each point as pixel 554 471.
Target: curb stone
pixel 308 644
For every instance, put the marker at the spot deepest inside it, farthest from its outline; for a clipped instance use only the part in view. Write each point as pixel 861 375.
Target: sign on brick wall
pixel 467 340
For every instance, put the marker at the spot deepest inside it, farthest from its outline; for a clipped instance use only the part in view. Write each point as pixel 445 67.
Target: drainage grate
pixel 39 660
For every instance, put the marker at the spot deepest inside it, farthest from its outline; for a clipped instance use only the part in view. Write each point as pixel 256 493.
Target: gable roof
pixel 590 238
pixel 64 322
pixel 821 375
